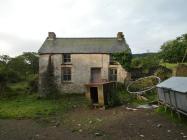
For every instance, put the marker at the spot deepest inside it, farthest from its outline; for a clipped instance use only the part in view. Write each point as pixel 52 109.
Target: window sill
pixel 67 63
pixel 66 82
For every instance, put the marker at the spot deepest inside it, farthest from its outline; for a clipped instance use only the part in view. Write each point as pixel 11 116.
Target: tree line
pixel 20 68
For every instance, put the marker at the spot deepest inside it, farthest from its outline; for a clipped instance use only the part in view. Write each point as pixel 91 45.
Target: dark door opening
pixel 94 94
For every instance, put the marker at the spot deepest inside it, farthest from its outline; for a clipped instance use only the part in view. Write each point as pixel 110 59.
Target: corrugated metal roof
pixel 175 83
pixel 83 45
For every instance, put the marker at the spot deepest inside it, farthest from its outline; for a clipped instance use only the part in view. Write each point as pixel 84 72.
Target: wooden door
pixel 95 75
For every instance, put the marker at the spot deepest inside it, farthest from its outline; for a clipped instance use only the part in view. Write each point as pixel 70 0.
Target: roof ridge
pixel 86 38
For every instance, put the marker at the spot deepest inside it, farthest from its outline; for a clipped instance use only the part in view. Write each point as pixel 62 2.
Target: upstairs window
pixel 67 58
pixel 66 74
pixel 111 60
pixel 112 74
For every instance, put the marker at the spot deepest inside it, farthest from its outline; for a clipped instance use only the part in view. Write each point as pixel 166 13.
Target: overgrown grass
pixel 172 116
pixel 17 103
pixel 28 106
pixel 131 99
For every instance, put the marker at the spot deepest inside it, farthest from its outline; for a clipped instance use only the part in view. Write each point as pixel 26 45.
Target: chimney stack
pixel 51 36
pixel 120 36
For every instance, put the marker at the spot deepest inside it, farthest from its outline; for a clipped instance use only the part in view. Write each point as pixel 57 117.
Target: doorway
pixel 94 94
pixel 95 75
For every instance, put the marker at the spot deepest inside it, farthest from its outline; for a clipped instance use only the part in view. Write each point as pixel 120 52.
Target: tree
pixel 174 51
pixel 24 65
pixel 19 65
pixel 32 60
pixel 4 59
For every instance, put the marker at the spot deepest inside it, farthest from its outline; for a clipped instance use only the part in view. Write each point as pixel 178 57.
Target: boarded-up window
pixel 67 58
pixel 112 74
pixel 66 74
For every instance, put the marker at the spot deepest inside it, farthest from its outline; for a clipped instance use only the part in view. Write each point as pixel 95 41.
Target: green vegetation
pixel 180 70
pixel 17 69
pixel 175 51
pixel 163 73
pixel 124 58
pixel 143 84
pixel 130 99
pixel 123 97
pixel 19 103
pixel 169 65
pixel 29 106
pixel 172 116
pixel 146 62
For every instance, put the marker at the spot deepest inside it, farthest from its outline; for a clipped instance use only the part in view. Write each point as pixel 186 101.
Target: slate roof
pixel 83 45
pixel 175 83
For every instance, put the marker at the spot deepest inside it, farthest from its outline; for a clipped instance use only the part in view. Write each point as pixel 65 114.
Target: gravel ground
pixel 86 124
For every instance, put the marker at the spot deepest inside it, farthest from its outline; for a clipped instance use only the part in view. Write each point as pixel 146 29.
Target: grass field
pixel 171 65
pixel 28 106
pixel 18 103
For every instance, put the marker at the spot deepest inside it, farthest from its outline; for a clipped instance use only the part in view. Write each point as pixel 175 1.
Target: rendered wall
pixel 81 65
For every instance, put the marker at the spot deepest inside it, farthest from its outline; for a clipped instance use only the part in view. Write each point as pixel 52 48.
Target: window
pixel 67 58
pixel 112 74
pixel 66 74
pixel 112 60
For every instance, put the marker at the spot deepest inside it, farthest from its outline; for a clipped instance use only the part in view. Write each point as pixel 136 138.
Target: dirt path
pixel 80 124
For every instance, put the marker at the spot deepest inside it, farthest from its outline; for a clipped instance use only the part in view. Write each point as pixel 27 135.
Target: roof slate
pixel 83 45
pixel 175 83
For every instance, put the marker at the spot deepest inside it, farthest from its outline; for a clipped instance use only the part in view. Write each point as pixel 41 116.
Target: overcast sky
pixel 146 24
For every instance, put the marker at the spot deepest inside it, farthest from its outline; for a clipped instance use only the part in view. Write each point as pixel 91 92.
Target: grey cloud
pixel 19 45
pixel 147 24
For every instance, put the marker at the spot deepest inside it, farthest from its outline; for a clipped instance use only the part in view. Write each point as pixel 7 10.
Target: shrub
pixel 163 73
pixel 33 83
pixel 143 84
pixel 119 95
pixel 13 76
pixel 181 70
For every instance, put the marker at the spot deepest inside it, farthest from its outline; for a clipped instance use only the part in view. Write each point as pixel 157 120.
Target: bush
pixel 13 76
pixel 143 84
pixel 33 83
pixel 163 73
pixel 119 95
pixel 181 70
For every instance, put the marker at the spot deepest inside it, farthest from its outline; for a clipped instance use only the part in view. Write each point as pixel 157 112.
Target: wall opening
pixel 95 75
pixel 94 94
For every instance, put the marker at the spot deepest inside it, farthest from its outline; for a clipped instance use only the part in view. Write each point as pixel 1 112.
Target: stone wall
pixel 81 65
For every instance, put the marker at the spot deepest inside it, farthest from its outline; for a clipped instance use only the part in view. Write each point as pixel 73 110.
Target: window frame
pixel 113 73
pixel 66 58
pixel 66 72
